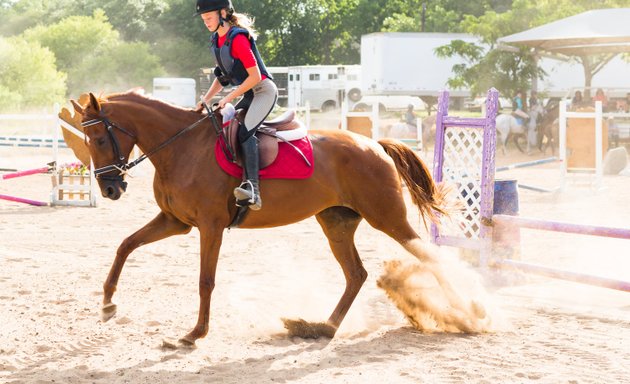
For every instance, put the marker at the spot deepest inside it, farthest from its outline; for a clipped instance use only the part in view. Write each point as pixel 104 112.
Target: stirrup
pixel 245 195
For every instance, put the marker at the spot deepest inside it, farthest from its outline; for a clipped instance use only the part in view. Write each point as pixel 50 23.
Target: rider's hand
pixel 222 102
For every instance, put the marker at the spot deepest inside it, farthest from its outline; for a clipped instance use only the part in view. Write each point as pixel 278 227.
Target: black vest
pixel 233 68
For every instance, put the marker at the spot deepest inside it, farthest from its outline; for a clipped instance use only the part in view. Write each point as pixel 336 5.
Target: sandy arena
pixel 54 260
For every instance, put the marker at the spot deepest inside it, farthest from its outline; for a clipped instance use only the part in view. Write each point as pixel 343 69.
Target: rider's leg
pixel 264 98
pixel 249 192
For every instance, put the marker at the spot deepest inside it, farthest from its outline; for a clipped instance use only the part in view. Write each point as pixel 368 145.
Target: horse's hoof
pixel 108 311
pixel 175 345
pixel 306 330
pixel 187 342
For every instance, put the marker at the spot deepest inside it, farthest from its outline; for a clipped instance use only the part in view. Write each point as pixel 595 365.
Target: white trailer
pixel 400 63
pixel 176 90
pixel 323 86
pixel 396 63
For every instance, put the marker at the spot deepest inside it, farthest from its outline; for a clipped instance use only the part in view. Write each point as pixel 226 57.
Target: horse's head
pixel 109 144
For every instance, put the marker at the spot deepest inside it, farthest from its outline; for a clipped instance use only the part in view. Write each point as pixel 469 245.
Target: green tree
pixel 91 52
pixel 135 20
pixel 181 40
pixel 118 68
pixel 28 76
pixel 16 16
pixel 75 38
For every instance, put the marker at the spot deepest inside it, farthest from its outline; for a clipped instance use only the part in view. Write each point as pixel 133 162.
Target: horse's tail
pixel 429 197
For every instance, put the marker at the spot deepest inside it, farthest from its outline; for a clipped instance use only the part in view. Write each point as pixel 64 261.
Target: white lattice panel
pixel 463 150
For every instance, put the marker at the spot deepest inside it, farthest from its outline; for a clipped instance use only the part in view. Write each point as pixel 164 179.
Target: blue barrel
pixel 506 197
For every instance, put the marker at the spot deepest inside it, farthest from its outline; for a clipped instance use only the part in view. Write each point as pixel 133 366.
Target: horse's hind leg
pixel 162 226
pixel 339 225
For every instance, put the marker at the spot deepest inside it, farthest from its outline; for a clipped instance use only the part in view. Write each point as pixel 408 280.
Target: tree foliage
pixel 508 71
pixel 28 76
pixel 91 52
pixel 124 43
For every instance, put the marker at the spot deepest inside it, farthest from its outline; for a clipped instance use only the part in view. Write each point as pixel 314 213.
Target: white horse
pixel 508 125
pixel 402 130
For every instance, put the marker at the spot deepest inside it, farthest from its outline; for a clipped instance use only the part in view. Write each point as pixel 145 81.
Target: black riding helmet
pixel 204 6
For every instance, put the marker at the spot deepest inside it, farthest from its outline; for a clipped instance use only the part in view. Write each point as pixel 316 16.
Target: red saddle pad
pixel 288 165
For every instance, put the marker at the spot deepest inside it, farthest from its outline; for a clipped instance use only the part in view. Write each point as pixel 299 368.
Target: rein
pixel 218 128
pixel 122 167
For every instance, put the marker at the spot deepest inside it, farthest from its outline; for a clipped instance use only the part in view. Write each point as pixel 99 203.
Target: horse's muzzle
pixel 113 189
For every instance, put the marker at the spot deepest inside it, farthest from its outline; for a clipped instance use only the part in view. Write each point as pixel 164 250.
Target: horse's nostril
pixel 110 191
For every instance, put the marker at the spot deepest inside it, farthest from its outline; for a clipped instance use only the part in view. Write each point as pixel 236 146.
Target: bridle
pixel 123 167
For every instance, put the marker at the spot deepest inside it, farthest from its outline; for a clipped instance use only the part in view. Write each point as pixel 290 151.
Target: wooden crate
pixel 360 124
pixel 581 143
pixel 72 187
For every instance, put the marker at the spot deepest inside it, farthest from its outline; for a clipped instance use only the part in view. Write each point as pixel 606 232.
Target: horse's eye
pixel 100 141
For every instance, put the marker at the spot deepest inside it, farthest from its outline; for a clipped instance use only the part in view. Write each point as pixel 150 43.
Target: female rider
pixel 239 64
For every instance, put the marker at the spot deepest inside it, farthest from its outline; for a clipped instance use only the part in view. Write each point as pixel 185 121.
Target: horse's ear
pixel 94 103
pixel 77 107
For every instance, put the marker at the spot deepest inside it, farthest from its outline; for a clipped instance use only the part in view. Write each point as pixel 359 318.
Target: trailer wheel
pixel 361 107
pixel 328 106
pixel 354 94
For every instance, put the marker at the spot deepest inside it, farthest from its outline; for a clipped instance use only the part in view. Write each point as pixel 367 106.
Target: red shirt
pixel 241 50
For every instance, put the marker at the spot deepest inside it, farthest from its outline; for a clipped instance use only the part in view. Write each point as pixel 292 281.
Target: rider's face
pixel 211 20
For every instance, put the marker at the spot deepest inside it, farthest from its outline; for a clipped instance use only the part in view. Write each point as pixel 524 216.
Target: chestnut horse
pixel 354 178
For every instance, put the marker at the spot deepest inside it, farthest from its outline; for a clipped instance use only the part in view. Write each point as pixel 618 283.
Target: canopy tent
pixel 592 32
pixel 595 37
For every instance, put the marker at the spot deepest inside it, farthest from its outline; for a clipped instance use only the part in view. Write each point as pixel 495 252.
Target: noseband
pixel 121 166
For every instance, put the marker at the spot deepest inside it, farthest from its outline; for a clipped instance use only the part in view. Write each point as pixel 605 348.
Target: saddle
pixel 283 128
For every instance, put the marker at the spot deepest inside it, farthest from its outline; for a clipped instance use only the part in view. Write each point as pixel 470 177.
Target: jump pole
pixel 563 275
pixel 506 235
pixel 22 200
pixel 27 172
pixel 531 164
pixel 557 226
pixel 14 175
pixel 527 164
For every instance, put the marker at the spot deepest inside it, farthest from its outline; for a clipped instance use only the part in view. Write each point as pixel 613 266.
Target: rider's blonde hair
pixel 242 20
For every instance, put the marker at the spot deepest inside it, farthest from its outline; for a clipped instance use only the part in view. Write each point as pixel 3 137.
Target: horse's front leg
pixel 211 238
pixel 162 226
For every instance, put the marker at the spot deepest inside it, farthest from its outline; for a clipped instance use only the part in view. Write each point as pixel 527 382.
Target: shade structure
pixel 593 32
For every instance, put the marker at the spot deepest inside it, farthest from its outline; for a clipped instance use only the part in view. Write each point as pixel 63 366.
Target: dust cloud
pixel 440 294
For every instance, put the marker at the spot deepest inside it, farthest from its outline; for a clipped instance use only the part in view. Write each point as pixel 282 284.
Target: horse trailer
pixel 324 87
pixel 180 91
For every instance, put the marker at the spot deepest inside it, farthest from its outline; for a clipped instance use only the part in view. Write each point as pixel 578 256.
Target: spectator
pixel 410 116
pixel 600 96
pixel 577 100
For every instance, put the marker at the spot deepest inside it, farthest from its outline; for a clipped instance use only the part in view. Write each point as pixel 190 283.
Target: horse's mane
pixel 142 99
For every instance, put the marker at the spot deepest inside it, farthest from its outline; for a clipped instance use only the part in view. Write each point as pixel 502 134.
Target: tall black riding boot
pixel 248 191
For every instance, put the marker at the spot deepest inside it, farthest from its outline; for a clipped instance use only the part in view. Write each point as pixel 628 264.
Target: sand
pixel 54 260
